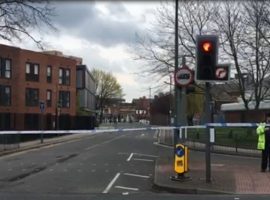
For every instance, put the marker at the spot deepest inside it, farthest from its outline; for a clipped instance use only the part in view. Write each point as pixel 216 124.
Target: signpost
pixel 42 110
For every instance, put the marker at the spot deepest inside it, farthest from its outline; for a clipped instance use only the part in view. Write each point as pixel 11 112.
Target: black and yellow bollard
pixel 180 163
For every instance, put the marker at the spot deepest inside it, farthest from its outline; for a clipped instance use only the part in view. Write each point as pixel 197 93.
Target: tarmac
pixel 230 174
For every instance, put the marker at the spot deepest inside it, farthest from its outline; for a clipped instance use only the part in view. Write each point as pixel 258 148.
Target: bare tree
pixel 157 47
pixel 107 87
pixel 244 32
pixel 20 17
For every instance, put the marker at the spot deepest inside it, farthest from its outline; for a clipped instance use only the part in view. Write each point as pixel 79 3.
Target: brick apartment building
pixel 28 78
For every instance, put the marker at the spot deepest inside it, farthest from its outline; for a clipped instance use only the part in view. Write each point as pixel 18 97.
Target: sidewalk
pixel 230 175
pixel 50 141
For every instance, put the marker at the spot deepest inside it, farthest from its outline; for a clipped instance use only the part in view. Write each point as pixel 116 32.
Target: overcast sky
pixel 101 33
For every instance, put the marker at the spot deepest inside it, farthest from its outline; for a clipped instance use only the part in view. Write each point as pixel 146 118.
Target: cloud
pixel 87 20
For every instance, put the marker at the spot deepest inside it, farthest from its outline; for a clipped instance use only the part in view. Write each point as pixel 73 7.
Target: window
pixel 32 72
pixel 31 97
pixel 64 99
pixel 5 68
pixel 5 95
pixel 60 76
pixel 49 74
pixel 64 76
pixel 49 98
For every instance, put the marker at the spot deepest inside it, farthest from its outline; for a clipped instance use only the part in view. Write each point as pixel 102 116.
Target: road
pixel 106 165
pixel 103 163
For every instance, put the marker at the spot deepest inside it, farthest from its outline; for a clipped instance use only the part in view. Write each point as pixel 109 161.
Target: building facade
pixel 29 80
pixel 86 90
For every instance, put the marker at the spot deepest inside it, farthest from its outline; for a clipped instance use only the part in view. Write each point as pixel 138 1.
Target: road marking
pixel 107 141
pixel 147 155
pixel 217 165
pixel 130 156
pixel 50 170
pixel 163 145
pixel 127 188
pixel 136 175
pixel 145 160
pixel 125 193
pixel 107 189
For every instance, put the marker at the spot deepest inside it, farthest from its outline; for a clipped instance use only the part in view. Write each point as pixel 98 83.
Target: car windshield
pixel 134 99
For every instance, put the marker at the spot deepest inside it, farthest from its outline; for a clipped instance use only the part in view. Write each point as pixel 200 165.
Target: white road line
pixel 136 175
pixel 127 188
pixel 107 189
pixel 162 145
pixel 107 141
pixel 147 155
pixel 130 156
pixel 145 160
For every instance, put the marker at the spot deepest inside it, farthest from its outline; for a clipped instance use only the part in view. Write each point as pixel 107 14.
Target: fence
pixel 232 138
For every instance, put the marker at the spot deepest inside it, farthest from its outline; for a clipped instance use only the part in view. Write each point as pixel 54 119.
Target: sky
pixel 101 33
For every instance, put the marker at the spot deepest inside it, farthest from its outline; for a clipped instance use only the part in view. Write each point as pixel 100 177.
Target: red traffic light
pixel 206 46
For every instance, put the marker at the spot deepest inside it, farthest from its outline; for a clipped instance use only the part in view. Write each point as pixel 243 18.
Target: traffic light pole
pixel 183 101
pixel 176 89
pixel 208 144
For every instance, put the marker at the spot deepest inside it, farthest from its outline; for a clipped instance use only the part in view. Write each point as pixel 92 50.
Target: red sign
pixel 183 76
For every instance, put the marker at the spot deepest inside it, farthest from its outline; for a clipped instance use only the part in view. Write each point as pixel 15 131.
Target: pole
pixel 183 100
pixel 42 127
pixel 176 89
pixel 208 145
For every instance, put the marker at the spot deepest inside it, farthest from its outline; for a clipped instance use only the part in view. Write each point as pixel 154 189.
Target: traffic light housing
pixel 206 57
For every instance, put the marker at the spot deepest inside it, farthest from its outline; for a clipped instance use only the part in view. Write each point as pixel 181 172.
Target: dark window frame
pixel 49 77
pixel 64 99
pixel 64 79
pixel 4 99
pixel 49 101
pixel 3 68
pixel 31 76
pixel 29 97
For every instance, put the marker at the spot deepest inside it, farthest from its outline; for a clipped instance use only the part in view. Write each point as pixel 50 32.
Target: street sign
pixel 183 76
pixel 222 72
pixel 42 106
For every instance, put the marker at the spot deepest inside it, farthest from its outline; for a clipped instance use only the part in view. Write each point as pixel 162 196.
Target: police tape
pixel 234 125
pixel 129 129
pixel 86 131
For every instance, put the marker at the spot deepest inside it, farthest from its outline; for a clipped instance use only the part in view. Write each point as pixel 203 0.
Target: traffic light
pixel 206 57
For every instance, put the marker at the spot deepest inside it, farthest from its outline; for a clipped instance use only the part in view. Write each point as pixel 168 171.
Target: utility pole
pixel 176 89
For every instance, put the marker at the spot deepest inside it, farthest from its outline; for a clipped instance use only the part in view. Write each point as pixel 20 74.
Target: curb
pixel 37 146
pixel 159 187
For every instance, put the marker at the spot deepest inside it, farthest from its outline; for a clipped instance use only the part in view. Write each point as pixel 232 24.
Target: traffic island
pixel 222 183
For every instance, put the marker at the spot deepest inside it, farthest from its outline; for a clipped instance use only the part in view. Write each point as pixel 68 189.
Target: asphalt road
pixel 102 166
pixel 121 163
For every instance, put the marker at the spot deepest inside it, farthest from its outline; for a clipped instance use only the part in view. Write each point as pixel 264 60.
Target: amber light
pixel 207 46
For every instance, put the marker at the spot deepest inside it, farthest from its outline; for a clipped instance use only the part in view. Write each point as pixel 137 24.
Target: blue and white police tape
pixel 233 125
pixel 211 125
pixel 86 131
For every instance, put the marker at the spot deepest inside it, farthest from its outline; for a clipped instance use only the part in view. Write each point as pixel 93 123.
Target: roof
pixel 240 106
